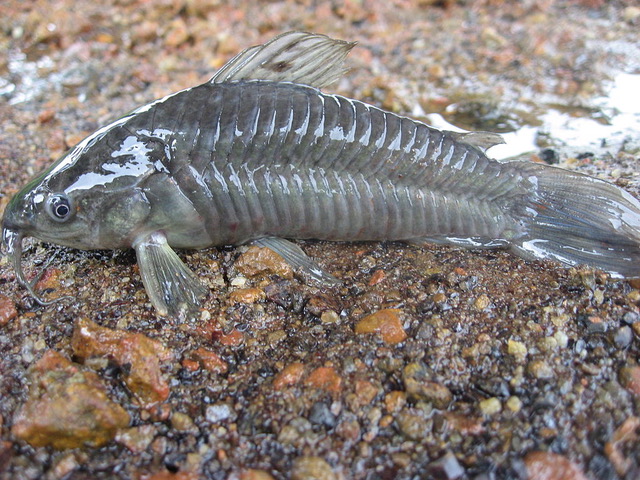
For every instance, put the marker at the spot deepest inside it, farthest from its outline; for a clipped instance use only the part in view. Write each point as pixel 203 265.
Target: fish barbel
pixel 259 154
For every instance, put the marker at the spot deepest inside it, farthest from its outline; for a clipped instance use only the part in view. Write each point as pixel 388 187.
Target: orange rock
pixel 630 379
pixel 252 474
pixel 395 400
pixel 142 356
pixel 166 475
pixel 50 279
pixel 263 261
pixel 206 359
pixel 385 322
pixel 551 466
pixel 325 378
pixel 377 277
pixel 365 392
pixel 231 339
pixel 289 375
pixel 8 310
pixel 247 295
pixel 67 407
pixel 624 439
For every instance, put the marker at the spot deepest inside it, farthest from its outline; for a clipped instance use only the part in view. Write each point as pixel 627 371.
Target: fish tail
pixel 577 219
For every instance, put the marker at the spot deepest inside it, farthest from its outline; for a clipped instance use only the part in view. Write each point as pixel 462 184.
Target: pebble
pixel 625 439
pixel 220 412
pixel 482 302
pixel 540 369
pixel 203 358
pixel 387 323
pixel 490 406
pixel 514 404
pixel 311 468
pixel 253 474
pixel 413 425
pixel 419 387
pixel 623 337
pixel 517 349
pixel 141 355
pixel 260 261
pixel 137 439
pixel 395 400
pixel 289 375
pixel 67 407
pixel 551 466
pixel 446 467
pixel 325 378
pixel 630 379
pixel 8 310
pixel 182 422
pixel 247 295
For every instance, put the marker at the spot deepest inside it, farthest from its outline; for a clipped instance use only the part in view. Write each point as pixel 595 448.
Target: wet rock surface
pixel 499 368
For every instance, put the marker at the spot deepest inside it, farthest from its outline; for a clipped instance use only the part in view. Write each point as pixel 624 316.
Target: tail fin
pixel 577 219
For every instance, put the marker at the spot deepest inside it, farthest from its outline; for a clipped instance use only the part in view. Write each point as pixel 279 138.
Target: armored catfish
pixel 259 154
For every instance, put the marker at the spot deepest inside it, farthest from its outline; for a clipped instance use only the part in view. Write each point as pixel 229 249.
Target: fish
pixel 260 154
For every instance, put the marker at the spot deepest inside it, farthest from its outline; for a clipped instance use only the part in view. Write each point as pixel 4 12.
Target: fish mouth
pixel 12 246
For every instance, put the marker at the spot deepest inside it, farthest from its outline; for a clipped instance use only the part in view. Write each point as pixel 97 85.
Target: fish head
pixel 89 199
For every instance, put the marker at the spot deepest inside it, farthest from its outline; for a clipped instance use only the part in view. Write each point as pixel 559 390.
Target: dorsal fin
pixel 299 57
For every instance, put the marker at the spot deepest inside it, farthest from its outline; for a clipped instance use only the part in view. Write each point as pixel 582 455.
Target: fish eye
pixel 58 207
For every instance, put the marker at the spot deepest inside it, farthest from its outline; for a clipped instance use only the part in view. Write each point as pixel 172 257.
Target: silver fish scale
pixel 260 158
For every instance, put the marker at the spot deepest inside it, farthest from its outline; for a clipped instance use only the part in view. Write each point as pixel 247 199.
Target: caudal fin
pixel 577 219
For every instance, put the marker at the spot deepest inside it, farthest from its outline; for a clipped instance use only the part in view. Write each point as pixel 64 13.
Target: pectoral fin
pixel 171 286
pixel 294 255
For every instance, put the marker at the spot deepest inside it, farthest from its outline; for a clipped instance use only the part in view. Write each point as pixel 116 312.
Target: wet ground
pixel 483 365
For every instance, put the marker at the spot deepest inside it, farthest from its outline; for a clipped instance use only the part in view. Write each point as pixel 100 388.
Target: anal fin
pixel 294 255
pixel 171 286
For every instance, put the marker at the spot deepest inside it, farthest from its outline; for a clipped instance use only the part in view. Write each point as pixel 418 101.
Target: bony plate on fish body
pixel 260 154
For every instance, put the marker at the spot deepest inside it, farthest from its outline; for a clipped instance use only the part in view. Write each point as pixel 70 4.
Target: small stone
pixel 325 378
pixel 490 406
pixel 624 439
pixel 247 295
pixel 289 375
pixel 141 355
pixel 394 401
pixel 630 379
pixel 419 387
pixel 561 338
pixel 517 349
pixel 551 466
pixel 365 393
pixel 64 465
pixel 540 369
pixel 623 337
pixel 253 474
pixel 482 302
pixel 206 359
pixel 514 404
pixel 260 261
pixel 446 468
pixel 67 407
pixel 631 14
pixel 182 422
pixel 464 424
pixel 308 468
pixel 329 316
pixel 630 318
pixel 220 412
pixel 8 310
pixel 413 425
pixel 385 322
pixel 137 439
